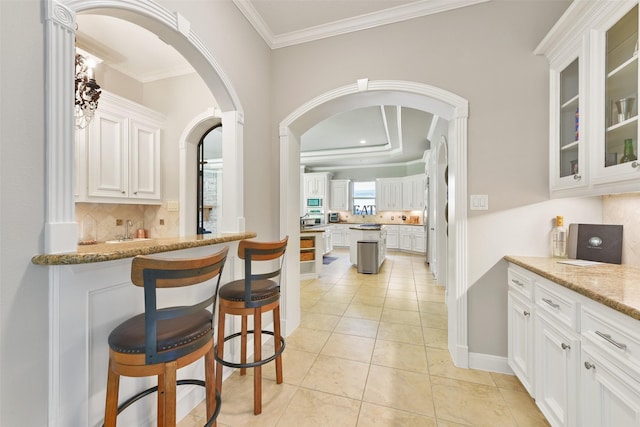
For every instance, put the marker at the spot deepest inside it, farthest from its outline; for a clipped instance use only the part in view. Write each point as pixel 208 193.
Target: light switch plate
pixel 479 202
pixel 172 206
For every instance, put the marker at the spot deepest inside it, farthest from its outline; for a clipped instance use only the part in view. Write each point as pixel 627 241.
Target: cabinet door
pixel 609 396
pixel 556 362
pixel 419 242
pixel 520 340
pixel 617 104
pixel 108 155
pixel 388 194
pixel 568 166
pixel 406 239
pixel 144 160
pixel 339 195
pixel 392 239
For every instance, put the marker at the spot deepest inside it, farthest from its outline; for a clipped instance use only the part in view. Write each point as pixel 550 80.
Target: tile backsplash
pixel 148 217
pixel 385 217
pixel 625 209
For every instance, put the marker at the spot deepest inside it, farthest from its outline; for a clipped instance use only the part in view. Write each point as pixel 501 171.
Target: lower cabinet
pixel 556 367
pixel 583 364
pixel 610 397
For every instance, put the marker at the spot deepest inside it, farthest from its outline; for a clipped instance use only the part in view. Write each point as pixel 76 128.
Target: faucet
pixel 128 223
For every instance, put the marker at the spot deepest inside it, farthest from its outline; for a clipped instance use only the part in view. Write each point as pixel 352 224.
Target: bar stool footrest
pixel 249 364
pixel 144 393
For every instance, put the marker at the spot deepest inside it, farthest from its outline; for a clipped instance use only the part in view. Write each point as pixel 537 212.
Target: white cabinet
pixel 594 68
pixel 340 195
pixel 586 358
pixel 412 238
pixel 388 194
pixel 338 233
pixel 610 397
pixel 413 192
pixel 557 353
pixel 121 149
pixel 520 322
pixel 393 235
pixel 316 184
pixel 327 241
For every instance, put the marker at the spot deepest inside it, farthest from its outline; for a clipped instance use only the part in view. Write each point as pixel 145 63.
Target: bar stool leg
pixel 243 343
pixel 277 343
pixel 111 408
pixel 220 351
pixel 170 379
pixel 209 377
pixel 257 355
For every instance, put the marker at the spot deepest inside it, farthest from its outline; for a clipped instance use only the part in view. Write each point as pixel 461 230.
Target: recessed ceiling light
pixel 362 141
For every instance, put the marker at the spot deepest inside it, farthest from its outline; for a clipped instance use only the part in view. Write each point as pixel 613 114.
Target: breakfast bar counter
pixel 90 293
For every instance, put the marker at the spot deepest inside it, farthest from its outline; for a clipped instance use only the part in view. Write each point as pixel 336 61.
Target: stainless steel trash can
pixel 368 256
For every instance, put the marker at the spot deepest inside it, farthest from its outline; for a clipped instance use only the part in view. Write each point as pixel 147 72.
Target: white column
pixel 232 172
pixel 61 230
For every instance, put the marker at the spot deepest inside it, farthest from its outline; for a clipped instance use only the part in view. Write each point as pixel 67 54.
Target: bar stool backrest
pixel 251 251
pixel 153 273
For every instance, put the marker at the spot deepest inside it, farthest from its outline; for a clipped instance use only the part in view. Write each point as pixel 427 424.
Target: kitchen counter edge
pixel 613 285
pixel 101 252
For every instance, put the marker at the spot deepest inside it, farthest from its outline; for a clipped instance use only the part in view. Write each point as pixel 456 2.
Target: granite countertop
pixel 112 251
pixel 365 226
pixel 616 286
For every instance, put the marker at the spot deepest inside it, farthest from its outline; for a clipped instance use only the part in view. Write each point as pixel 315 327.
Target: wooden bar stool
pixel 257 293
pixel 160 341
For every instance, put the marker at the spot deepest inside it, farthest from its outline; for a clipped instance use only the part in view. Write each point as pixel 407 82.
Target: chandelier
pixel 87 92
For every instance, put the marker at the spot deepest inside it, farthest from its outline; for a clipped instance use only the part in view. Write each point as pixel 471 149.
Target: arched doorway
pixel 61 229
pixel 365 93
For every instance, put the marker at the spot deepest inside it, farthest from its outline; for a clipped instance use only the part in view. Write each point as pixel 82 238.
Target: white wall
pixel 482 53
pixel 23 286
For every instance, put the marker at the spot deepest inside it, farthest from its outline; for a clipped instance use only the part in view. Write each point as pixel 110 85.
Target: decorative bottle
pixel 559 239
pixel 628 155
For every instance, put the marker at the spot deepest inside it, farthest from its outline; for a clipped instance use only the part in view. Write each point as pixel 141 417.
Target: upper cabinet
pixel 119 154
pixel 316 184
pixel 388 194
pixel 593 57
pixel 340 195
pixel 413 192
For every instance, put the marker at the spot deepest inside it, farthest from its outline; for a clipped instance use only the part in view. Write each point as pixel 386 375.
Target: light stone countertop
pixel 616 286
pixel 100 252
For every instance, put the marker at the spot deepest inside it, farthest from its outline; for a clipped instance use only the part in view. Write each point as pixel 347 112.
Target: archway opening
pixel 363 93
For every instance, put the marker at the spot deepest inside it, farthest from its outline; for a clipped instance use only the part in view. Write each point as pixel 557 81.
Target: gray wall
pixel 485 54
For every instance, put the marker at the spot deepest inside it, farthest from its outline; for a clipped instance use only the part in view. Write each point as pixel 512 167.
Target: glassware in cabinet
pixel 569 137
pixel 621 87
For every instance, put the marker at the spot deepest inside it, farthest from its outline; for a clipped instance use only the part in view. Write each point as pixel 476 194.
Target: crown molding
pixel 344 26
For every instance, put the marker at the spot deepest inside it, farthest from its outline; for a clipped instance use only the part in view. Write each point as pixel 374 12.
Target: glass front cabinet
pixel 593 57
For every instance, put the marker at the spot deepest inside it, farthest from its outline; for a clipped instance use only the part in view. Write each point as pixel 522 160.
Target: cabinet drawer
pixel 520 282
pixel 558 302
pixel 612 332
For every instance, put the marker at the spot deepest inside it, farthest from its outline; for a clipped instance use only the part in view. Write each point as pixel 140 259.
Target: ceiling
pixel 393 135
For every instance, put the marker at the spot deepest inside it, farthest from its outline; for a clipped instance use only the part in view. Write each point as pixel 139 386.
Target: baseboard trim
pixel 488 362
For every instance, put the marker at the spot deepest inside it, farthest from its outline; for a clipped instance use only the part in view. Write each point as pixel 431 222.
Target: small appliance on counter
pixel 334 217
pixel 595 242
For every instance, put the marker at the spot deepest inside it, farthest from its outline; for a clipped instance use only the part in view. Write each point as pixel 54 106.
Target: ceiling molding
pixel 344 26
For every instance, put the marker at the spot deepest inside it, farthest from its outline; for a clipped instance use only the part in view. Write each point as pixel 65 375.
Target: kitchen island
pixel 311 251
pixel 91 294
pixel 368 232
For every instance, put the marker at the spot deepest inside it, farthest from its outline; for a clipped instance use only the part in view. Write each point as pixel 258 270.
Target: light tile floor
pixel 371 350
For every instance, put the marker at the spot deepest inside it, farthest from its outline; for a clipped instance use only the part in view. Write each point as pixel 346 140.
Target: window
pixel 209 181
pixel 364 198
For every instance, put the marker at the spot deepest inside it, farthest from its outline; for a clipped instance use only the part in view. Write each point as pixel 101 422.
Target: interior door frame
pixel 363 93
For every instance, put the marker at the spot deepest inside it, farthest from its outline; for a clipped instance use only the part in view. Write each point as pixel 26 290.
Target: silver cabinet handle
pixel 608 338
pixel 526 313
pixel 517 282
pixel 577 177
pixel 635 164
pixel 565 346
pixel 589 365
pixel 551 303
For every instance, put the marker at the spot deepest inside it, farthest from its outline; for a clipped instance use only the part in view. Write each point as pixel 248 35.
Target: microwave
pixel 314 203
